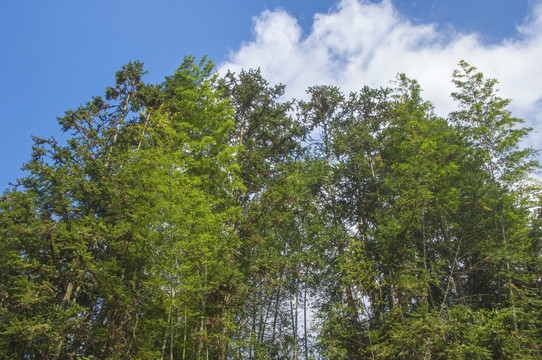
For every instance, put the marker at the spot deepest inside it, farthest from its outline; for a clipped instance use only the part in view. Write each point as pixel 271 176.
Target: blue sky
pixel 57 54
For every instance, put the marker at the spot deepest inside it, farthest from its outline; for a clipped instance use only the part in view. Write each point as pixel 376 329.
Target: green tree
pixel 127 228
pixel 70 259
pixel 268 141
pixel 202 218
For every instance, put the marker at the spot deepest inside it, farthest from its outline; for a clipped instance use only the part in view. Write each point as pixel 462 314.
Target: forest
pixel 210 217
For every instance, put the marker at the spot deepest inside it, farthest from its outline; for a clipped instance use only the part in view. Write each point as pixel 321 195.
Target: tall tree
pixel 202 218
pixel 73 244
pixel 127 227
pixel 268 141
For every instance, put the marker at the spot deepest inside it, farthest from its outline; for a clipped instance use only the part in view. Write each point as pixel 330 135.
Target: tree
pixel 202 218
pixel 69 262
pixel 268 140
pixel 126 226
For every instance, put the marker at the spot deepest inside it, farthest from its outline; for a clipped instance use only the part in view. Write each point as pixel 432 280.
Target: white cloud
pixel 361 43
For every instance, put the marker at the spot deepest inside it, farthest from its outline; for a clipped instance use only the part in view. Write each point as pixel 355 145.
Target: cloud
pixel 361 43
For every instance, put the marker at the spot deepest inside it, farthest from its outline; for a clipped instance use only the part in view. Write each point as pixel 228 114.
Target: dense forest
pixel 209 217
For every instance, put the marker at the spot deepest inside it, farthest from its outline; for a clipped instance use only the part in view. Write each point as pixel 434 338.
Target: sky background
pixel 55 55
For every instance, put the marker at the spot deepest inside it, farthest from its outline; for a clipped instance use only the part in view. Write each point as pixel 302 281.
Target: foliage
pixel 206 217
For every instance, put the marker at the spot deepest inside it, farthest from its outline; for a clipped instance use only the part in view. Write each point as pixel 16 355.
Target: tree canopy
pixel 208 217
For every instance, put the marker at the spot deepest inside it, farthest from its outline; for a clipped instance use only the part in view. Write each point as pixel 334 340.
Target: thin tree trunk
pixel 184 335
pixel 275 317
pixel 305 321
pixel 171 331
pixel 143 131
pixel 124 110
pixel 293 327
pixel 243 129
pixel 166 330
pixel 294 313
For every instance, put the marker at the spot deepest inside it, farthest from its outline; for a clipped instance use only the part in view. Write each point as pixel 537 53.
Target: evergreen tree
pixel 202 218
pixel 125 228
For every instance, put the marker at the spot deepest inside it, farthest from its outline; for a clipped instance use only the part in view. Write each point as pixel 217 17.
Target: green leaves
pixel 102 217
pixel 489 126
pixel 203 218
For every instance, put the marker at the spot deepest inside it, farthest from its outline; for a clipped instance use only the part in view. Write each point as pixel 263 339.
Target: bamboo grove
pixel 208 217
